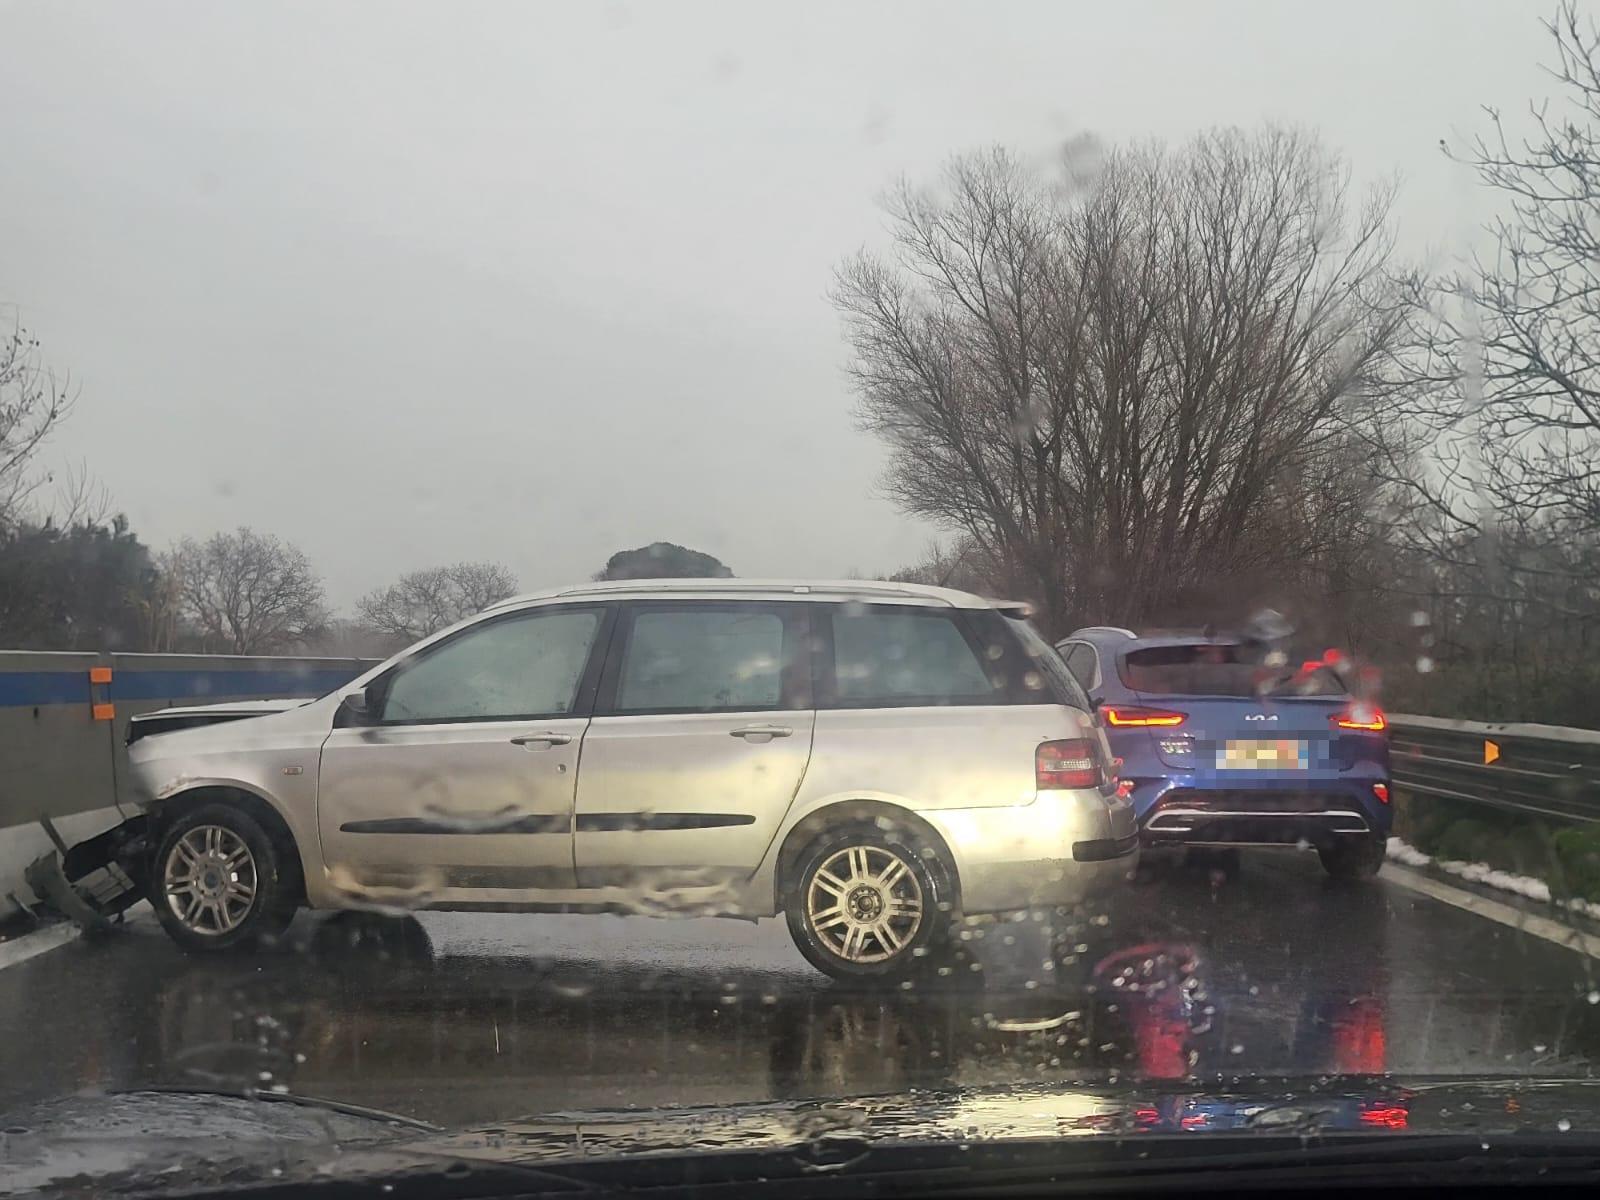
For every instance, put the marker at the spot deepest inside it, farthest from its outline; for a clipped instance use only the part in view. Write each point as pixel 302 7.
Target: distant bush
pixel 1566 857
pixel 1577 850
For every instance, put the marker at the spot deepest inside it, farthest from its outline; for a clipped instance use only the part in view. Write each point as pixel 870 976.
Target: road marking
pixel 31 945
pixel 1493 910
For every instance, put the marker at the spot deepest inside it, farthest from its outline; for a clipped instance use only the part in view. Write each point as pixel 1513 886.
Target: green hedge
pixel 1567 857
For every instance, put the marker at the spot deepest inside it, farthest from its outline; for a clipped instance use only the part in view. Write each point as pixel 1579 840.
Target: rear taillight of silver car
pixel 1069 763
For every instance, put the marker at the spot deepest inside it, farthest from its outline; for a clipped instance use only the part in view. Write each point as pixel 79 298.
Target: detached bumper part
pixel 94 882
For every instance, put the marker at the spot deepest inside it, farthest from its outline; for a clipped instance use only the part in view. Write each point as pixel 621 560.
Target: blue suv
pixel 1216 746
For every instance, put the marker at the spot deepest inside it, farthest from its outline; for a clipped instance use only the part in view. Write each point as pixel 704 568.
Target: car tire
pixel 219 882
pixel 893 915
pixel 1354 858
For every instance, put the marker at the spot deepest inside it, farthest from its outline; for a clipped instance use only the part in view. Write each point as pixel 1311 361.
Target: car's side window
pixel 703 658
pixel 1081 662
pixel 884 656
pixel 521 666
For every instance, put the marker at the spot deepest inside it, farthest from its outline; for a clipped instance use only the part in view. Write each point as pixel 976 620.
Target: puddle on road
pixel 498 1017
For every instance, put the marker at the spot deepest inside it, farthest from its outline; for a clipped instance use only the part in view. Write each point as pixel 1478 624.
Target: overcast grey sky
pixel 407 283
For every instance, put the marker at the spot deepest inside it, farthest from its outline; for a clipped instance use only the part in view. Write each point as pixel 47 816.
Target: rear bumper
pixel 1064 849
pixel 1316 812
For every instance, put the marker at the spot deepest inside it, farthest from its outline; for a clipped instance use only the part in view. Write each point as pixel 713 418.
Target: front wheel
pixel 868 901
pixel 1354 858
pixel 219 881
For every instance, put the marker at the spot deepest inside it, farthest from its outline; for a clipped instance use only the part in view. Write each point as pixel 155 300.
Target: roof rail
pixel 1103 629
pixel 863 587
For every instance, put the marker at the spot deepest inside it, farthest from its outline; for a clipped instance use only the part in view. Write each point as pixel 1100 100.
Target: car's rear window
pixel 1213 669
pixel 1049 664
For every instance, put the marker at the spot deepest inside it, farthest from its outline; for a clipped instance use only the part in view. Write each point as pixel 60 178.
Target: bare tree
pixel 80 498
pixel 248 592
pixel 1509 360
pixel 960 563
pixel 1126 389
pixel 161 603
pixel 33 400
pixel 423 602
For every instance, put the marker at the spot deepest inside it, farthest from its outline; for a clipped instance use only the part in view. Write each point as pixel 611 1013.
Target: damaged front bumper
pixel 96 881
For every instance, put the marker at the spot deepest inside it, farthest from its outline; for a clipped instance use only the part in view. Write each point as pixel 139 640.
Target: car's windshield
pixel 634 580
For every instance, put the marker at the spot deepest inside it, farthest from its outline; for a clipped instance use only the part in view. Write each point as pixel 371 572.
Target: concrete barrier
pixel 64 719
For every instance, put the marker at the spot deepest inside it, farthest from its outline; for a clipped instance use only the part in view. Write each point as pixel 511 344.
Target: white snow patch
pixel 1477 872
pixel 1403 851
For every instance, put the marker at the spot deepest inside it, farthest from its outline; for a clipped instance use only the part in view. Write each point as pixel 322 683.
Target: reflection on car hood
pixel 178 1139
pixel 1327 1105
pixel 156 1141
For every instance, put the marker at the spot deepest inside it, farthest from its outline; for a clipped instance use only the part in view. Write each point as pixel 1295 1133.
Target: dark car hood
pixel 155 1142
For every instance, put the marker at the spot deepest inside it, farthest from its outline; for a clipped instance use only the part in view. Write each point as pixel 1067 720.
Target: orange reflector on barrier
pixel 1491 752
pixel 104 712
pixel 99 674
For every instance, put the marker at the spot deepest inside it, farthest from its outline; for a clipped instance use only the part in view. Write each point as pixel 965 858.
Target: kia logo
pixel 1261 716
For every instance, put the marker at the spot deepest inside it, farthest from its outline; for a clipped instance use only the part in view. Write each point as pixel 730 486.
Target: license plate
pixel 1264 756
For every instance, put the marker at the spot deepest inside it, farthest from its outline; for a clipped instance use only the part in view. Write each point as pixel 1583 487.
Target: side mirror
pixel 361 705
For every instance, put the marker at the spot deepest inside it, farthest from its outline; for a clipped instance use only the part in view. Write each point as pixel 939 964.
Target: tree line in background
pixel 1183 384
pixel 89 583
pixel 1172 387
pixel 75 576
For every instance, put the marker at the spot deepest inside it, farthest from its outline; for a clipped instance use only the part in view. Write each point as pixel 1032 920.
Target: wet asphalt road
pixel 470 1019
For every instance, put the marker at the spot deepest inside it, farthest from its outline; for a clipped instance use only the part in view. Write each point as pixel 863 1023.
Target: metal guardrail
pixel 1545 770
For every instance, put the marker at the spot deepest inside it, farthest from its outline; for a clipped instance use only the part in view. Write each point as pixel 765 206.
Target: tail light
pixel 1072 763
pixel 1385 1116
pixel 1365 717
pixel 1381 791
pixel 1128 717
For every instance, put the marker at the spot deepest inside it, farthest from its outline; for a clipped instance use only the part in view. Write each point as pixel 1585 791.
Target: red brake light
pixel 1128 717
pixel 1072 763
pixel 1381 791
pixel 1385 1116
pixel 1360 717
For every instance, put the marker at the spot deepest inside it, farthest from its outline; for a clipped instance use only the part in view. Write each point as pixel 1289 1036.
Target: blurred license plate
pixel 1263 756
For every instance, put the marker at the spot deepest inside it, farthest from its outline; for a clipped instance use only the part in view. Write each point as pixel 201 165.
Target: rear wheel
pixel 219 881
pixel 868 901
pixel 1352 858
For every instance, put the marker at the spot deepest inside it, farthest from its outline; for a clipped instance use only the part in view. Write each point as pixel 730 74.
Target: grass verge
pixel 1565 856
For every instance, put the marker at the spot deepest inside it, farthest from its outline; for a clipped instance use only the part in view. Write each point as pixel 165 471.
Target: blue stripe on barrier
pixel 279 681
pixel 24 688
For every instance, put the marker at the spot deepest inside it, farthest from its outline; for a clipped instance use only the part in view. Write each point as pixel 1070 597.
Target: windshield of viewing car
pixel 930 572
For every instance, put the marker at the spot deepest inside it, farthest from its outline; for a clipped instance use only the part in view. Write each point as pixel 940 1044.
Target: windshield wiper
pixel 268 1096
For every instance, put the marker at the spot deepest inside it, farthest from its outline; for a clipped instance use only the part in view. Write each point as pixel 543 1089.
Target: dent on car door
pixel 465 776
pixel 701 735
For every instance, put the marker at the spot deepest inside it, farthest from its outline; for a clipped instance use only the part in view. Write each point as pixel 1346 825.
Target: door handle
pixel 761 731
pixel 541 739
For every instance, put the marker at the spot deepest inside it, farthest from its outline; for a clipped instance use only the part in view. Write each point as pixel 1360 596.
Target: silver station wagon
pixel 869 760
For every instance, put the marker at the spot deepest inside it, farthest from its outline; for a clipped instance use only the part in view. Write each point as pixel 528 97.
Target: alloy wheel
pixel 209 879
pixel 864 903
